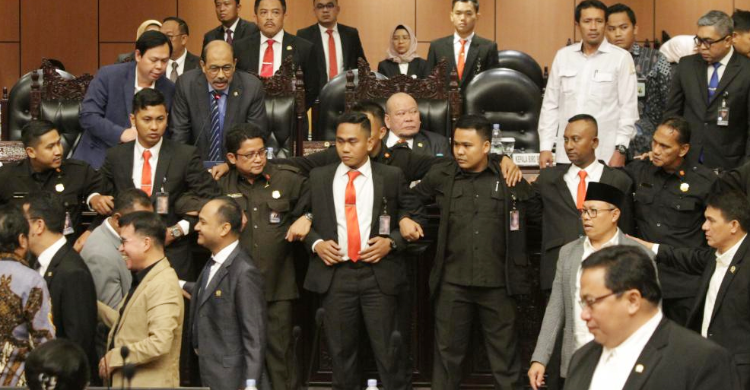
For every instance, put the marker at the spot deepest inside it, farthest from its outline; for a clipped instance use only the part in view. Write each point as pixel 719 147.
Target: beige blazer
pixel 151 328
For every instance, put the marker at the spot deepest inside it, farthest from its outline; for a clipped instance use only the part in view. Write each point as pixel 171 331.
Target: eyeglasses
pixel 252 155
pixel 707 43
pixel 588 303
pixel 320 6
pixel 213 70
pixel 592 212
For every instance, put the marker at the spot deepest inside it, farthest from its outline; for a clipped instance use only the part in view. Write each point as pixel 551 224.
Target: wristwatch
pixel 175 231
pixel 622 149
pixel 393 244
pixel 309 216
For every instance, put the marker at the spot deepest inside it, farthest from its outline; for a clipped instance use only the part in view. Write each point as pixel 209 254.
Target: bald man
pixel 238 97
pixel 402 119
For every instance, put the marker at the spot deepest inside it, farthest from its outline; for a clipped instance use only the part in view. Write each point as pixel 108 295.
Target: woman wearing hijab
pixel 149 25
pixel 402 55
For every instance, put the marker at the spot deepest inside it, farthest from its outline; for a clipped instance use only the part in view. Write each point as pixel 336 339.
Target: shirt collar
pixel 457 38
pixel 365 169
pixel 110 228
pixel 180 61
pixel 724 61
pixel 590 170
pixel 324 30
pixel 45 258
pixel 604 47
pixel 233 27
pixel 726 258
pixel 278 38
pixel 154 150
pixel 222 256
pixel 615 240
pixel 393 140
pixel 635 343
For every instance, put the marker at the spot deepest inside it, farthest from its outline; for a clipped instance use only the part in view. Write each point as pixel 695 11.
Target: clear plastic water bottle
pixel 269 153
pixel 372 384
pixel 497 143
pixel 250 384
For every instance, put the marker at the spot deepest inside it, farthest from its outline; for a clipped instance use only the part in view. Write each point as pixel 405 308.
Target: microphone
pixel 296 334
pixel 393 352
pixel 124 353
pixel 319 314
pixel 128 372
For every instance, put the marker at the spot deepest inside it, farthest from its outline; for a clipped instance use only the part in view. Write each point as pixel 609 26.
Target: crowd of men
pixel 186 276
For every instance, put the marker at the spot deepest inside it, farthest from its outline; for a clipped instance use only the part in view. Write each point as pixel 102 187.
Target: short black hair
pixel 584 117
pixel 355 118
pixel 126 200
pixel 147 224
pixel 733 205
pixel 148 97
pixel 184 29
pixel 475 2
pixel 626 268
pixel 151 39
pixel 476 122
pixel 371 107
pixel 49 208
pixel 619 7
pixel 741 19
pixel 12 224
pixel 257 3
pixel 680 125
pixel 35 129
pixel 586 4
pixel 239 133
pixel 59 364
pixel 230 212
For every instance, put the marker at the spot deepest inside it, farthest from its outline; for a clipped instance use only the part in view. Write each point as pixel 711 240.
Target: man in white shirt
pixel 591 77
pixel 181 59
pixel 634 346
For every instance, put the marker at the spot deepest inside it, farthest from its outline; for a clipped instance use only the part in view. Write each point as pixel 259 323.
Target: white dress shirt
pixel 403 68
pixel 603 84
pixel 137 88
pixel 616 364
pixel 219 259
pixel 110 228
pixel 724 61
pixel 593 173
pixel 457 46
pixel 46 256
pixel 339 50
pixel 233 28
pixel 393 139
pixel 180 64
pixel 278 39
pixel 581 331
pixel 722 265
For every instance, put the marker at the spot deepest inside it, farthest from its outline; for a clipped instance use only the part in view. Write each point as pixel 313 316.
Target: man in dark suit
pixel 253 50
pixel 402 118
pixel 337 47
pixel 240 100
pixel 356 263
pixel 712 91
pixel 227 306
pixel 634 346
pixel 181 59
pixel 232 26
pixel 165 170
pixel 70 284
pixel 465 51
pixel 106 108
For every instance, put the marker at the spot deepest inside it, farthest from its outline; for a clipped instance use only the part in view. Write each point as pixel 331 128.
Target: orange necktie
pixel 146 173
pixel 581 197
pixel 461 59
pixel 333 66
pixel 352 224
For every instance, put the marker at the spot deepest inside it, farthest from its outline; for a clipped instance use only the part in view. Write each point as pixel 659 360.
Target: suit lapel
pixel 200 92
pixel 127 158
pixel 377 201
pixel 729 276
pixel 129 88
pixel 412 70
pixel 165 158
pixel 701 70
pixel 572 267
pixel 421 142
pixel 57 259
pixel 732 70
pixel 221 273
pixel 471 58
pixel 649 358
pixel 253 53
pixel 565 194
pixel 288 48
pixel 139 290
pixel 327 183
pixel 345 44
pixel 234 97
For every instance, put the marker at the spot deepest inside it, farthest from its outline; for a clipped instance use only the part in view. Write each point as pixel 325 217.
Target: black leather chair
pixel 522 62
pixel 510 98
pixel 285 109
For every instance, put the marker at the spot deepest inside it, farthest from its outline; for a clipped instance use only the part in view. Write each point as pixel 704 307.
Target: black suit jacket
pixel 417 67
pixel 724 147
pixel 429 143
pixel 389 184
pixel 673 359
pixel 482 56
pixel 230 317
pixel 73 294
pixel 247 51
pixel 244 29
pixel 351 48
pixel 730 320
pixel 192 61
pixel 190 119
pixel 554 208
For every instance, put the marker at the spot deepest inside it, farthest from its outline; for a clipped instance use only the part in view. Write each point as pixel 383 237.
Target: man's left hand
pixel 617 160
pixel 299 229
pixel 170 238
pixel 81 241
pixel 104 369
pixel 510 171
pixel 378 248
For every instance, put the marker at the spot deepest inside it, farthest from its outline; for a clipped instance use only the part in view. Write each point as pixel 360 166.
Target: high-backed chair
pixel 510 98
pixel 522 62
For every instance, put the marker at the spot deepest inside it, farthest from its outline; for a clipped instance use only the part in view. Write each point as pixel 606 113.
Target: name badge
pixel 385 225
pixel 162 203
pixel 515 221
pixel 641 88
pixel 274 217
pixel 68 225
pixel 723 118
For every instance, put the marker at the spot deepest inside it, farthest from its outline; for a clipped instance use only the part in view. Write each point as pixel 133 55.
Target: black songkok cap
pixel 605 193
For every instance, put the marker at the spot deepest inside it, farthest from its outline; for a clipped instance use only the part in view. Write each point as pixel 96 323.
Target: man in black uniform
pixel 44 169
pixel 670 198
pixel 480 260
pixel 275 200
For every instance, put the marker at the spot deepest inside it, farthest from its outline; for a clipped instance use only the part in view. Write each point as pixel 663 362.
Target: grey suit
pixel 229 323
pixel 559 314
pixel 112 277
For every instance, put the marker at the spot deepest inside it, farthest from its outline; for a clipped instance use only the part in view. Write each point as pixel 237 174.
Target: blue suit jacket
pixel 105 111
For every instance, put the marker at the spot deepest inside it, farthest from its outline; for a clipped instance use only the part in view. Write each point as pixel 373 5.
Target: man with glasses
pixel 275 200
pixel 181 60
pixel 600 214
pixel 209 101
pixel 634 346
pixel 711 90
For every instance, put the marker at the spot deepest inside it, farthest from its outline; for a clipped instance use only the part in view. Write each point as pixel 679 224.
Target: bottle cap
pixel 372 383
pixel 250 383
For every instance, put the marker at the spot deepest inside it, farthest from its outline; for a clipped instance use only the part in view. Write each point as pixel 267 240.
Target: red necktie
pixel 146 173
pixel 581 196
pixel 461 59
pixel 333 66
pixel 352 224
pixel 267 69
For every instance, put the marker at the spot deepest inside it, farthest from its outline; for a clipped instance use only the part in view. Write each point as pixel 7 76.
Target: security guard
pixel 276 201
pixel 670 198
pixel 45 169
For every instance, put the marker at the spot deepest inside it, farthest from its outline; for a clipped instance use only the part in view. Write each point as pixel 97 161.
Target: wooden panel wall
pixel 87 34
